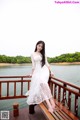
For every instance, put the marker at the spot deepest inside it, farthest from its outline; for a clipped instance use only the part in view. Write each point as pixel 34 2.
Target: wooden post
pixel 64 94
pixel 76 105
pixel 55 91
pixel 15 109
pixel 59 93
pixel 69 100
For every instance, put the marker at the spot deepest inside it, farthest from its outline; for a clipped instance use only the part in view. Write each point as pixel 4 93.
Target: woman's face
pixel 39 47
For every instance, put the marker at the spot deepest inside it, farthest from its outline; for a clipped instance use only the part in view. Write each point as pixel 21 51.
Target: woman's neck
pixel 37 52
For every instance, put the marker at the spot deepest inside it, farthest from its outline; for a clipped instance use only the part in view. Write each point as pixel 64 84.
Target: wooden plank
pixel 27 76
pixel 11 81
pixel 60 112
pixel 55 116
pixel 12 97
pixel 64 115
pixel 46 112
pixel 69 113
pixel 58 115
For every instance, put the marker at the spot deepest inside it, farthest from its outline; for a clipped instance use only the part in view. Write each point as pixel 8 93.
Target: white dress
pixel 39 88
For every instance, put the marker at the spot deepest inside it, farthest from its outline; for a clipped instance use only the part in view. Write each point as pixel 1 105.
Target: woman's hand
pixel 52 75
pixel 30 75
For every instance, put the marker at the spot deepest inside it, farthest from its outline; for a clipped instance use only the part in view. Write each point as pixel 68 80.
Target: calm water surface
pixel 70 73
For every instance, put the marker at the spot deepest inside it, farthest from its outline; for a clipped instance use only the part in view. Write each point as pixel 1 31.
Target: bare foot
pixel 53 104
pixel 50 110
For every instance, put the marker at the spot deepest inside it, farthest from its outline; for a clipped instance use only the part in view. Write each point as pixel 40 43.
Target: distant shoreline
pixel 66 63
pixel 9 64
pixel 61 63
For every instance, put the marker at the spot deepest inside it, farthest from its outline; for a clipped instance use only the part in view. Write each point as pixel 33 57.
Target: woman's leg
pixel 49 106
pixel 52 103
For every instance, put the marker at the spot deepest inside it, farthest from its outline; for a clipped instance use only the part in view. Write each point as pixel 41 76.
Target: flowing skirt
pixel 39 88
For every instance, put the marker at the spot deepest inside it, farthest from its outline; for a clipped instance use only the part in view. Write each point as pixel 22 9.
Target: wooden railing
pixel 14 80
pixel 66 93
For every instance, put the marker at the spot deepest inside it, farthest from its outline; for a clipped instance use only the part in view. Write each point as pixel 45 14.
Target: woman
pixel 39 89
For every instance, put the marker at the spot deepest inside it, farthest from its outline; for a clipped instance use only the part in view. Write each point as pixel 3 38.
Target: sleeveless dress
pixel 39 88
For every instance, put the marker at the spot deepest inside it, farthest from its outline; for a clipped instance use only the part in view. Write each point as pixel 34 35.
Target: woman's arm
pixel 48 66
pixel 33 63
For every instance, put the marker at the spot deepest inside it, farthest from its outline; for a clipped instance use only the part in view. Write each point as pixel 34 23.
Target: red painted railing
pixel 14 80
pixel 66 93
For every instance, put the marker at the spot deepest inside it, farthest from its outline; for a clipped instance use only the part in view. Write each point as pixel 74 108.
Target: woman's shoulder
pixel 36 54
pixel 32 54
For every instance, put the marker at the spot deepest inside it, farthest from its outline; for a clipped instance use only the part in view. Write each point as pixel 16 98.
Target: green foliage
pixel 17 59
pixel 69 57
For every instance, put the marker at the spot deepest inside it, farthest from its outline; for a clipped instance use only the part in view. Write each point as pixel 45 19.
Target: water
pixel 69 73
pixel 15 70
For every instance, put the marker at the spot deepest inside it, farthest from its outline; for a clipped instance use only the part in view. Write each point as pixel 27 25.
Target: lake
pixel 69 73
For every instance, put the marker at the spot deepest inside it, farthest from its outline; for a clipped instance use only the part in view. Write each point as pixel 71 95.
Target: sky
pixel 24 22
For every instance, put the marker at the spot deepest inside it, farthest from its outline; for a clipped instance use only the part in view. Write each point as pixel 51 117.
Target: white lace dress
pixel 39 88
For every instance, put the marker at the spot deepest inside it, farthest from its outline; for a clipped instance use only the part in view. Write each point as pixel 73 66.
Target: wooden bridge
pixel 65 95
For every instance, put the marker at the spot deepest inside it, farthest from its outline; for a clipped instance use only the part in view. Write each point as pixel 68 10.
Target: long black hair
pixel 42 51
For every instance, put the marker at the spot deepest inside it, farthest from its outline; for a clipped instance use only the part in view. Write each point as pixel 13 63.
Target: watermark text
pixel 67 2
